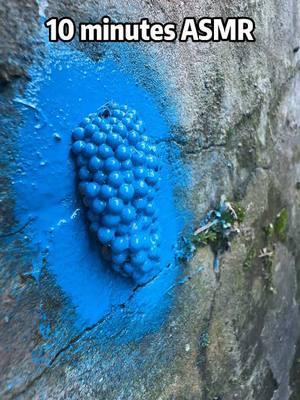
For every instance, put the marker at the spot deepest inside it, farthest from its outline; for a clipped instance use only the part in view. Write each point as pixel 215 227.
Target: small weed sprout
pixel 217 229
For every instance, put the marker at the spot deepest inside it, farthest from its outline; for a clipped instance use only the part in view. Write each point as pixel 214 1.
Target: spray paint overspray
pixel 62 92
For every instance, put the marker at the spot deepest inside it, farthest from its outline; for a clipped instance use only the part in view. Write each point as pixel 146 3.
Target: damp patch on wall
pixel 63 91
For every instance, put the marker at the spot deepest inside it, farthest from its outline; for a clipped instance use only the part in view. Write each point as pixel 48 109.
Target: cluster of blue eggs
pixel 118 172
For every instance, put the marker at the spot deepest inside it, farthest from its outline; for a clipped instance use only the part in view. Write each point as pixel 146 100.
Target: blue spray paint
pixel 62 92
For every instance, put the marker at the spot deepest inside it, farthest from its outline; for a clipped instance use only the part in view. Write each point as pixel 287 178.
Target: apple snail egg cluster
pixel 118 172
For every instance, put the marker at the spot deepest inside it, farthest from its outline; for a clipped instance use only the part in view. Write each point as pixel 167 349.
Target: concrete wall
pixel 235 112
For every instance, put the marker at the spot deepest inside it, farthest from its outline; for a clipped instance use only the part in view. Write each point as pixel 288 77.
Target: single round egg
pixel 126 191
pixel 105 235
pixel 115 205
pixel 115 179
pixel 78 146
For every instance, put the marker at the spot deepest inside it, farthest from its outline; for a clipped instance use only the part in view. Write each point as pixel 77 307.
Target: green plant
pixel 217 229
pixel 281 224
pixel 269 231
pixel 240 212
pixel 250 257
pixel 205 238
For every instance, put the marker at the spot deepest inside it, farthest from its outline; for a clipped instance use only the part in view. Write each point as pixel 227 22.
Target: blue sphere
pixel 78 134
pixel 78 146
pixel 115 179
pixel 84 173
pixel 97 121
pixel 95 164
pixel 123 152
pixel 138 157
pixel 111 164
pixel 139 126
pixel 132 124
pixel 153 149
pixel 142 146
pixel 85 122
pixel 128 214
pixel 105 151
pixel 89 150
pixel 146 242
pixel 133 137
pixel 122 229
pixel 107 192
pixel 139 258
pixel 139 172
pixel 128 176
pixel 126 121
pixel 151 161
pixel 150 209
pixel 105 235
pixel 112 120
pixel 126 191
pixel 141 188
pixel 136 242
pixel 155 238
pixel 98 206
pixel 90 129
pixel 144 271
pixel 110 220
pixel 131 114
pixel 113 140
pixel 151 193
pixel 135 227
pixel 119 257
pixel 140 204
pixel 121 129
pixel 115 205
pixel 127 165
pixel 104 126
pixel 91 189
pixel 152 177
pixel 128 268
pixel 117 114
pixel 98 138
pixel 99 177
pixel 145 221
pixel 120 244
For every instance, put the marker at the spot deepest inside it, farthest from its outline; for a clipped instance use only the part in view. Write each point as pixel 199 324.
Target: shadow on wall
pixel 62 92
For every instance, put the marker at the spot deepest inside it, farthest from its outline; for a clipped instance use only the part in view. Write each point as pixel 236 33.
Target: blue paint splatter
pixel 62 92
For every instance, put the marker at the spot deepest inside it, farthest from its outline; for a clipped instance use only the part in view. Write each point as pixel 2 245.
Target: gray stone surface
pixel 239 132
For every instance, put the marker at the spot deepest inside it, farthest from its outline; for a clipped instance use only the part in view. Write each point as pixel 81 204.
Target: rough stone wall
pixel 235 336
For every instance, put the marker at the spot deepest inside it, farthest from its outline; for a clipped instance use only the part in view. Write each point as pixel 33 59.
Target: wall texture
pixel 235 112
